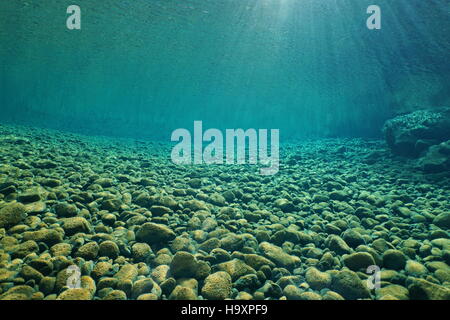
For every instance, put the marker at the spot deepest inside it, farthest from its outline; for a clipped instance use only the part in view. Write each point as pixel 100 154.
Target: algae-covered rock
pixel 292 292
pixel 109 249
pixel 20 292
pixel 12 214
pixel 61 249
pixel 235 268
pixel 349 285
pixel 152 233
pixel 394 259
pixel 48 236
pixel 74 225
pixel 358 260
pixel 141 252
pixel 437 159
pixel 89 251
pixel 403 132
pixel 442 220
pixel 278 256
pixel 75 294
pixel 65 210
pixel 397 291
pixel 115 295
pixel 337 244
pixel 284 204
pixel 101 269
pixel 420 289
pixel 183 265
pixel 25 248
pixel 141 287
pixel 217 286
pixel 28 273
pixel 316 279
pixel 127 272
pixel 256 261
pixel 415 268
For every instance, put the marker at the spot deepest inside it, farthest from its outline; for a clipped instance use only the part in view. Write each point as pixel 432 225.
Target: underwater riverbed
pixel 130 224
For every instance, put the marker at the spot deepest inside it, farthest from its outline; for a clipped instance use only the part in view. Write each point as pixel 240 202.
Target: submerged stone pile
pixel 136 226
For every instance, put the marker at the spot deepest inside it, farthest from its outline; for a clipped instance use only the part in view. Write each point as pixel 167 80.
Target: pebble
pixel 153 233
pixel 217 286
pixel 141 252
pixel 183 293
pixel 420 289
pixel 358 260
pixel 183 265
pixel 74 225
pixel 278 256
pixel 442 220
pixel 88 251
pixel 12 214
pixel 337 244
pixel 236 268
pixel 65 210
pixel 115 295
pixel 393 290
pixel 316 279
pixel 141 287
pixel 216 233
pixel 127 272
pixel 415 268
pixel 292 292
pixel 109 249
pixel 48 236
pixel 75 294
pixel 349 285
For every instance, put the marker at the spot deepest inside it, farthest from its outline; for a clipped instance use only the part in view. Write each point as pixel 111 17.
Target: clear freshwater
pixel 142 68
pixel 90 191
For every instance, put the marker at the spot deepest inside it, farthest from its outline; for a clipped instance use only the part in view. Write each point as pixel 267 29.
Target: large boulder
pixel 412 134
pixel 437 159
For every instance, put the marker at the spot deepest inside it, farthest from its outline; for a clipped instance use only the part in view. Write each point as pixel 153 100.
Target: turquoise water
pixel 144 68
